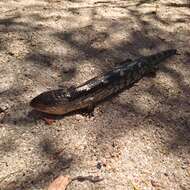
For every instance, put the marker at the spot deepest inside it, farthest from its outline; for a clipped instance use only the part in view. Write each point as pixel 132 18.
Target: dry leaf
pixel 60 183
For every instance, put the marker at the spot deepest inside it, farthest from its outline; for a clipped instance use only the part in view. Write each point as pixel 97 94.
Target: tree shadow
pixel 91 45
pixel 141 2
pixel 7 145
pixel 41 58
pixel 179 79
pixel 85 41
pixel 59 162
pixel 155 16
pixel 8 21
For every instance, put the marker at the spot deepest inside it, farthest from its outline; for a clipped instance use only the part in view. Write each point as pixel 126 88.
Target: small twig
pixel 93 179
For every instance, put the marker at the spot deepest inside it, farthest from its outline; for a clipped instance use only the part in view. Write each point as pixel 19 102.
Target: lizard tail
pixel 155 59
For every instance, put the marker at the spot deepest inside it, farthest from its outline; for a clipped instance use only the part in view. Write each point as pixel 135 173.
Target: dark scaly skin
pixel 62 101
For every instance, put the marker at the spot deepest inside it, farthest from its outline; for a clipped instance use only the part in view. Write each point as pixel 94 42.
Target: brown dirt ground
pixel 141 137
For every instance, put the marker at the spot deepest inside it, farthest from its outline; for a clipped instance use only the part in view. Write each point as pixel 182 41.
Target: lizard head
pixel 51 102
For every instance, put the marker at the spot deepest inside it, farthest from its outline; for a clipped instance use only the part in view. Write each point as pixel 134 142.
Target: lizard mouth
pixel 34 103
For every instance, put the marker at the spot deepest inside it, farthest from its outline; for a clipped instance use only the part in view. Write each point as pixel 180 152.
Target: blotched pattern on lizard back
pixel 65 100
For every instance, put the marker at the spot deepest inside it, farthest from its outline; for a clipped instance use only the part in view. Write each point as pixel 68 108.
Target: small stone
pixel 155 183
pixel 2 116
pixel 104 162
pixel 113 144
pixel 109 167
pixel 166 174
pixel 99 165
pixel 11 53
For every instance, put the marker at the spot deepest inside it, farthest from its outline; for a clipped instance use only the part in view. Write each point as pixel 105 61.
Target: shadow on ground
pixel 60 161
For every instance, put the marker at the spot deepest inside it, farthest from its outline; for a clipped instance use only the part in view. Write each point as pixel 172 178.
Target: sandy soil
pixel 139 139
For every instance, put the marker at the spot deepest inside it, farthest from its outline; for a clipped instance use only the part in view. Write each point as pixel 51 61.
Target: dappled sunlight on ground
pixel 141 136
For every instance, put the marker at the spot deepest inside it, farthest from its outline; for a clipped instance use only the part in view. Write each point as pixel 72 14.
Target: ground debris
pixel 93 179
pixel 155 183
pixel 61 182
pixel 2 114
